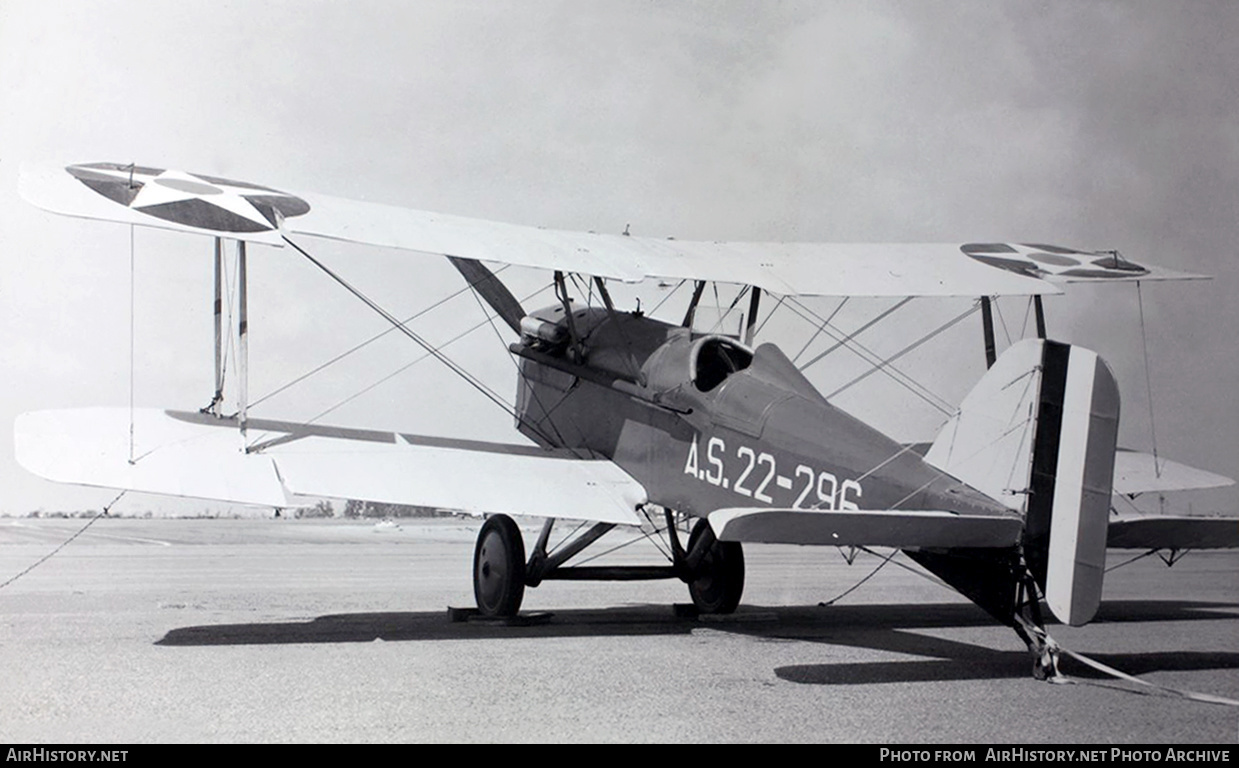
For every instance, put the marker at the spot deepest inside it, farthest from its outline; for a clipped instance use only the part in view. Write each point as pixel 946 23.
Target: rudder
pixel 1038 433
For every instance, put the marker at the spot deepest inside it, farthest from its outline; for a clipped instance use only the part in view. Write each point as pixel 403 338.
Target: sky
pixel 1093 125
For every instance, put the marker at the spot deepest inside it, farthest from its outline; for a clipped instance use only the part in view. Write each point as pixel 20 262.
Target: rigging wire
pixel 645 535
pixel 132 302
pixel 1002 320
pixel 843 342
pixel 858 584
pixel 670 293
pixel 519 371
pixel 1027 312
pixel 469 378
pixel 762 325
pixel 905 350
pixel 1148 380
pixel 820 327
pixel 871 357
pixel 407 366
pixel 722 315
pixel 369 341
pixel 1132 560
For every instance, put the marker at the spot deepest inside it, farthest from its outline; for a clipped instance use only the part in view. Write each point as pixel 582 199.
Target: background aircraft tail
pixel 1038 433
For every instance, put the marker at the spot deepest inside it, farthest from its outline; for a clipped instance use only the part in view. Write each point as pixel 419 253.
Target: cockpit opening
pixel 717 357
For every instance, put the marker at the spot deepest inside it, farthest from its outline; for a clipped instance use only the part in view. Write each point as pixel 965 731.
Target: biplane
pixel 629 420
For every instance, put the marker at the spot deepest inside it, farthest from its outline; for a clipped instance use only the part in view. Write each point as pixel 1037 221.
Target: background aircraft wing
pixel 211 205
pixel 1136 472
pixel 1173 532
pixel 201 456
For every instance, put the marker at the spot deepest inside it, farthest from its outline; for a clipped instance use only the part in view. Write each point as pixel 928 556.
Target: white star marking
pixel 177 186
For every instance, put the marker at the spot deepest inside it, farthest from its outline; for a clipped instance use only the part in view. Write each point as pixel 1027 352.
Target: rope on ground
pixel 65 543
pixel 1147 688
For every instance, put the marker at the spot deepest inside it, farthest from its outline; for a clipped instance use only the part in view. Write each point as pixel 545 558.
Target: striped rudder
pixel 1071 480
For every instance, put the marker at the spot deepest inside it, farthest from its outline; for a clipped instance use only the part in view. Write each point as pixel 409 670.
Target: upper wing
pixel 199 456
pixel 210 205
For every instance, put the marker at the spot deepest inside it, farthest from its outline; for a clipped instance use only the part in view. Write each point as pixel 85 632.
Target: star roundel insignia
pixel 1050 261
pixel 193 200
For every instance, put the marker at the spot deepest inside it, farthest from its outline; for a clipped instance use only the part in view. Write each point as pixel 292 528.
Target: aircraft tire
pixel 499 567
pixel 719 582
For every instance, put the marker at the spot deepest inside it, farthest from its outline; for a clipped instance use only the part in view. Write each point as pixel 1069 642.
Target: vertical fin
pixel 1038 433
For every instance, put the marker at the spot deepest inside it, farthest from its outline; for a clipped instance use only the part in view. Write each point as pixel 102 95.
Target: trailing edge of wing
pixel 200 456
pixel 911 529
pixel 1173 532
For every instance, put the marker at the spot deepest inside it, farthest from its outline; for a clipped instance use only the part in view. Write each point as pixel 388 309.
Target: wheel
pixel 719 581
pixel 499 567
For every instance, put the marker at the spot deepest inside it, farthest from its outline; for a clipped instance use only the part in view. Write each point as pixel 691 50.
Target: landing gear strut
pixel 712 569
pixel 499 567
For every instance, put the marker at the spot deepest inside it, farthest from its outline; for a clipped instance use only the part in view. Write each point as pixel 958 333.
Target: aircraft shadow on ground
pixel 878 627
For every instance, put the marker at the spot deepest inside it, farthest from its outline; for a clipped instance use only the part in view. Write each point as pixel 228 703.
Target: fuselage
pixel 705 423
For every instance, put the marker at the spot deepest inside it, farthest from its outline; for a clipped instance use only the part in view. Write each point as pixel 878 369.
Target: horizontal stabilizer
pixel 201 456
pixel 906 529
pixel 1136 472
pixel 1174 532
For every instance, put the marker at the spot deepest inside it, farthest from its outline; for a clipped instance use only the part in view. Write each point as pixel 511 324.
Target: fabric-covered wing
pixel 210 205
pixel 906 529
pixel 199 456
pixel 164 199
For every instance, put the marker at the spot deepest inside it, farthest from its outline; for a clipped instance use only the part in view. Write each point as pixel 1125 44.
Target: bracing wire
pixel 670 293
pixel 366 343
pixel 132 333
pixel 1002 321
pixel 844 341
pixel 858 584
pixel 904 351
pixel 451 365
pixel 820 327
pixel 769 315
pixel 1148 380
pixel 871 357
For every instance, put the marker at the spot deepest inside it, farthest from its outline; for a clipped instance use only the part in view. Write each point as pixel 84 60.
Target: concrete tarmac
pixel 337 631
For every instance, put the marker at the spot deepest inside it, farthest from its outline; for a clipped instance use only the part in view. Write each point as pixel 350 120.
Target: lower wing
pixel 281 463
